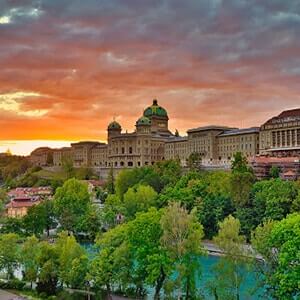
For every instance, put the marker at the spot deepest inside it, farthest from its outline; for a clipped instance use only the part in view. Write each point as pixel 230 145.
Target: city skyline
pixel 68 69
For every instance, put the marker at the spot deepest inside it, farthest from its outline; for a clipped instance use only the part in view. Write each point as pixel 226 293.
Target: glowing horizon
pixel 24 147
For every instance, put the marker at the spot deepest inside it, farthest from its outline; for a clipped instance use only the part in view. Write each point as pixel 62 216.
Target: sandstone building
pixel 152 141
pixel 280 136
pixel 144 146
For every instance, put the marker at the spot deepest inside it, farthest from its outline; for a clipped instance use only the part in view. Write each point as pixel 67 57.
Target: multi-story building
pixel 142 147
pixel 216 145
pixel 280 135
pixel 60 154
pixel 204 141
pixel 229 142
pixel 42 156
pixel 145 145
pixel 152 141
pixel 22 198
pixel 18 207
pixel 177 148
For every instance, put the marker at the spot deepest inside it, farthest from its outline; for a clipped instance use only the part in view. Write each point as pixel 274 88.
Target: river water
pixel 249 290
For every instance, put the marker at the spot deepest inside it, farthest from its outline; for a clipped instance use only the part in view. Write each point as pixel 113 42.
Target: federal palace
pixel 152 141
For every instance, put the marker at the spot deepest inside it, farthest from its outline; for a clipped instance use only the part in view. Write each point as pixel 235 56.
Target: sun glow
pixel 26 146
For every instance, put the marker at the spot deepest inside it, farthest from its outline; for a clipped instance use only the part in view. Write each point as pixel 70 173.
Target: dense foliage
pixel 149 228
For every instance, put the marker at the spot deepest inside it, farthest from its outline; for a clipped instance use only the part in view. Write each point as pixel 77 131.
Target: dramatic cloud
pixel 68 67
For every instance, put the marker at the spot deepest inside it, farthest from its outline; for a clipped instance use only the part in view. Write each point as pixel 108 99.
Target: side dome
pixel 155 110
pixel 114 125
pixel 143 121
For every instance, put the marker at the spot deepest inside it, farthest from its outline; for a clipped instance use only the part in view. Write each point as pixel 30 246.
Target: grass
pixel 51 175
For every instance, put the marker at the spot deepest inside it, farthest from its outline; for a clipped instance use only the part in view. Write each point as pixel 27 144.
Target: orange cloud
pixel 206 62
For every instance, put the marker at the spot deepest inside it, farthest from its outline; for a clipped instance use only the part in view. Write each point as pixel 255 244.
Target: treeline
pixel 149 232
pixel 17 171
pixel 159 249
pixel 12 166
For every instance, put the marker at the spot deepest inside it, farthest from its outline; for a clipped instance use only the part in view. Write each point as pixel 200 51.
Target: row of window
pixel 282 125
pixel 285 138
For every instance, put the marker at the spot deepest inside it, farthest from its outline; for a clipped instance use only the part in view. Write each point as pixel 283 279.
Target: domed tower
pixel 143 125
pixel 158 117
pixel 113 129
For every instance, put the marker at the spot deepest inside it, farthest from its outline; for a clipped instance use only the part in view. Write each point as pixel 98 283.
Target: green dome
pixel 143 121
pixel 155 110
pixel 114 125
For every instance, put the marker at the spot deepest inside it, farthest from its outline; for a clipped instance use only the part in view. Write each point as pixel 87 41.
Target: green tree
pixel 242 180
pixel 72 202
pixel 231 269
pixel 48 266
pixel 39 218
pixel 12 225
pixel 110 183
pixel 113 206
pixel 194 161
pixel 68 166
pixel 274 172
pixel 239 163
pixel 29 258
pixel 152 262
pixel 273 199
pixel 260 242
pixel 9 253
pixel 3 200
pixel 181 237
pixel 50 216
pixel 34 221
pixel 139 199
pixel 279 244
pixel 92 222
pixel 85 173
pixel 169 171
pixel 212 209
pixel 113 263
pixel 69 251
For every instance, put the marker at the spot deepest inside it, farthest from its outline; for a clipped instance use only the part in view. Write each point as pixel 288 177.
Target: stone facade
pixel 42 156
pixel 60 154
pixel 245 141
pixel 280 136
pixel 177 148
pixel 151 141
pixel 289 167
pixel 142 147
pixel 215 144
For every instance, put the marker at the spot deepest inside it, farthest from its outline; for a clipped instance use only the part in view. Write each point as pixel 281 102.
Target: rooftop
pixel 285 116
pixel 240 131
pixel 211 127
pixel 177 139
pixel 269 159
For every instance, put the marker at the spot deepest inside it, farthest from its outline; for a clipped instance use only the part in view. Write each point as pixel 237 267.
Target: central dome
pixel 155 110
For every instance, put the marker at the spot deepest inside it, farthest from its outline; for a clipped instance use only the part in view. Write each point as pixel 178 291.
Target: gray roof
pixel 240 131
pixel 177 139
pixel 210 127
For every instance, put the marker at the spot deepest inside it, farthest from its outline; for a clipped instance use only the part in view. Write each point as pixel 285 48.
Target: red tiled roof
pixel 267 159
pixel 290 113
pixel 96 182
pixel 19 204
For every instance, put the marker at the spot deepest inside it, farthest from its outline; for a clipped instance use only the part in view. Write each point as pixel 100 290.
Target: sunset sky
pixel 67 68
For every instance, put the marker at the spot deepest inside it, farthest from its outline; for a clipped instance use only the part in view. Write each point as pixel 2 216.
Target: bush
pixel 14 284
